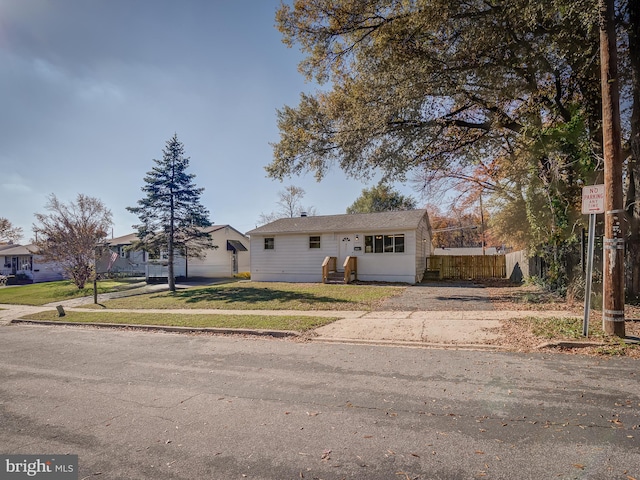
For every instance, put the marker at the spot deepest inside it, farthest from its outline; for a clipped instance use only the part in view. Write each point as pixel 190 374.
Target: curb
pixel 406 343
pixel 586 344
pixel 161 328
pixel 570 344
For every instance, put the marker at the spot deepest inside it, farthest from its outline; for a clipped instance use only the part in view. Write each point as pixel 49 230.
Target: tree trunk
pixel 171 272
pixel 613 244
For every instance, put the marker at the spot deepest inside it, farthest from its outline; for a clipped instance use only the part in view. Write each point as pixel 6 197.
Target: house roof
pixel 123 240
pixel 133 237
pixel 19 250
pixel 359 222
pixel 236 246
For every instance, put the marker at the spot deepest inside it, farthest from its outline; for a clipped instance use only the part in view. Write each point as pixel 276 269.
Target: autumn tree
pixel 9 233
pixel 500 98
pixel 172 219
pixel 70 233
pixel 632 190
pixel 289 205
pixel 381 198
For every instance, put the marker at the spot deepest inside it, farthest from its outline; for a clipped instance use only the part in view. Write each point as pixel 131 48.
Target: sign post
pixel 592 203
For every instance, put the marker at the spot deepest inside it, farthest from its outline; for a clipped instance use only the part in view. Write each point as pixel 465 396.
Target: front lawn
pixel 262 322
pixel 263 296
pixel 42 293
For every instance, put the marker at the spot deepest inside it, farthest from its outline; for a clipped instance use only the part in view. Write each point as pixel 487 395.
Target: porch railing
pixel 350 268
pixel 328 266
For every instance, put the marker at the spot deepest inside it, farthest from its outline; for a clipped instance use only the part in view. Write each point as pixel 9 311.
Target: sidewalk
pixel 452 314
pixel 426 328
pixel 472 329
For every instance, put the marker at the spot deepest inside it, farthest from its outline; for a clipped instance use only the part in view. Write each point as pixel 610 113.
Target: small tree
pixel 289 204
pixel 9 233
pixel 171 215
pixel 70 233
pixel 381 198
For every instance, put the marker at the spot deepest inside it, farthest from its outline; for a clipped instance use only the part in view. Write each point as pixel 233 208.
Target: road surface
pixel 136 405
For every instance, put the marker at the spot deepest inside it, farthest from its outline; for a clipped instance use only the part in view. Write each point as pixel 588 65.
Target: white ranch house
pixel 121 259
pixel 22 261
pixel 385 246
pixel 231 257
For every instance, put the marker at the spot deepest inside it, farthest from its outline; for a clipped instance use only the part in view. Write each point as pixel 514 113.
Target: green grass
pixel 42 293
pixel 262 322
pixel 262 296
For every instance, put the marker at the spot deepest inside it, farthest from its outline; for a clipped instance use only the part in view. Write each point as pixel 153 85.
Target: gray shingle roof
pixel 19 250
pixel 133 237
pixel 359 222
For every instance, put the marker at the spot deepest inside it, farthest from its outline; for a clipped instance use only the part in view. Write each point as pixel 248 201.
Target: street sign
pixel 593 199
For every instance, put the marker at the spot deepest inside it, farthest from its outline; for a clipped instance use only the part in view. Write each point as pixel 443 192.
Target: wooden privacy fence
pixel 467 266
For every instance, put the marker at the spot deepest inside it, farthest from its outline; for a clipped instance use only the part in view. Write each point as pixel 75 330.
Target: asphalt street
pixel 141 405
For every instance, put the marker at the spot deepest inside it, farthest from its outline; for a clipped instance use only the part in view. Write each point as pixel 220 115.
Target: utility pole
pixel 613 267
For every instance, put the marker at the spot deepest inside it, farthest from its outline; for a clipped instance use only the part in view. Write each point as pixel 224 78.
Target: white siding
pixel 293 261
pixel 219 262
pixel 423 248
pixel 47 272
pixel 133 262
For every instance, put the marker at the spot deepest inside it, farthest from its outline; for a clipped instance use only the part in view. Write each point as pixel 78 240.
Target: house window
pixel 314 242
pixel 123 253
pixel 384 243
pixel 269 243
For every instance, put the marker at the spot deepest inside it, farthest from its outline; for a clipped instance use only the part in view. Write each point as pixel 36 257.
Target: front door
pixel 346 249
pixel 14 265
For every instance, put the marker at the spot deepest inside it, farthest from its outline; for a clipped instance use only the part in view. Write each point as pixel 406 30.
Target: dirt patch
pixel 517 335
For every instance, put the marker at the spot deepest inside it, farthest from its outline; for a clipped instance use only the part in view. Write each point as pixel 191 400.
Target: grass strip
pixel 267 322
pixel 262 296
pixel 42 293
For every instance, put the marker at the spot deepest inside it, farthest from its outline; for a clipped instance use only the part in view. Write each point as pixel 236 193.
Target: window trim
pixel 269 243
pixel 313 243
pixel 384 243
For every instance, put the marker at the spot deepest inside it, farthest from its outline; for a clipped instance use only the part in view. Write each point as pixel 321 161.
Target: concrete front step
pixel 335 277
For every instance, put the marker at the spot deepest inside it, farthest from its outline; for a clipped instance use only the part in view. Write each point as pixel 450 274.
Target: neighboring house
pixel 122 259
pixel 22 261
pixel 388 246
pixel 231 256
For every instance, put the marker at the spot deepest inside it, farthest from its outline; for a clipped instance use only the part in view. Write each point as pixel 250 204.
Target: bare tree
pixel 70 234
pixel 290 205
pixel 9 233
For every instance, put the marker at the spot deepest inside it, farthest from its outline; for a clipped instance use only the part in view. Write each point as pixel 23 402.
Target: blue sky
pixel 90 91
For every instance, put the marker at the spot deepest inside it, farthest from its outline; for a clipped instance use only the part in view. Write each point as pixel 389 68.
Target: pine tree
pixel 381 198
pixel 171 215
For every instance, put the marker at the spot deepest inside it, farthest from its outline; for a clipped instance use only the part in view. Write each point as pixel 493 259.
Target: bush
pixel 243 275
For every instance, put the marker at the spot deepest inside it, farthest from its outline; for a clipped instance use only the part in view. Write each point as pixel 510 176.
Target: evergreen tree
pixel 171 215
pixel 381 198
